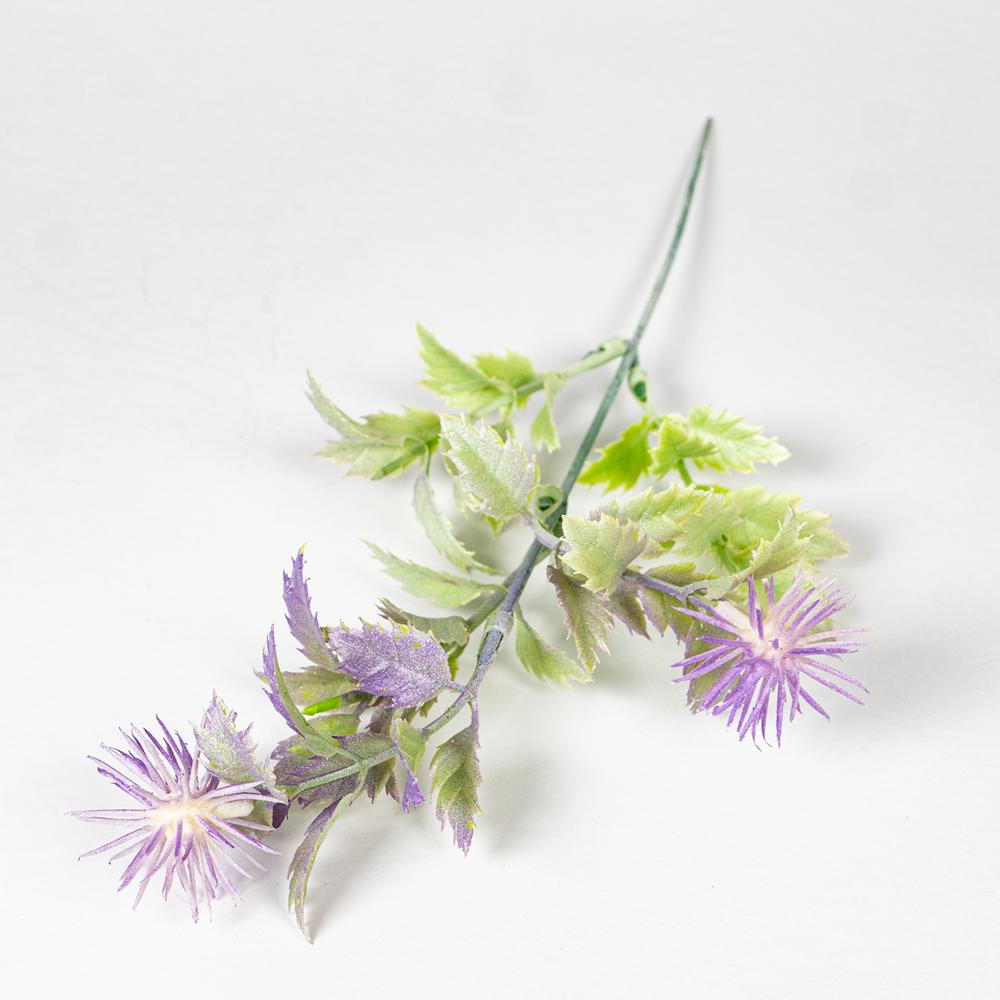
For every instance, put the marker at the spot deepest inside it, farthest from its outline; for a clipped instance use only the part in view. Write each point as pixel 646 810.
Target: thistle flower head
pixel 767 652
pixel 189 824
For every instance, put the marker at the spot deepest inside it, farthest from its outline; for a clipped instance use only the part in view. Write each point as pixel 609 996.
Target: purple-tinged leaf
pixel 455 778
pixel 228 751
pixel 304 625
pixel 410 744
pixel 280 697
pixel 406 667
pixel 305 857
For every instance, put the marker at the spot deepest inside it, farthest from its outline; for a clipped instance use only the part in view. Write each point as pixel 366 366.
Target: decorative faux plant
pixel 728 571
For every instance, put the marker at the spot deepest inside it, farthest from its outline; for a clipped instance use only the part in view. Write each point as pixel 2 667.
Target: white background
pixel 201 200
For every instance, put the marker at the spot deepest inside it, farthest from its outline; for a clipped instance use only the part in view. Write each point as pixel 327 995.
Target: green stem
pixel 503 617
pixel 683 470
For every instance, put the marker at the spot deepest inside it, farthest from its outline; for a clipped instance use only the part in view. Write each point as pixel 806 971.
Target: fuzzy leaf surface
pixel 623 461
pixel 600 551
pixel 440 531
pixel 495 474
pixel 542 660
pixel 587 618
pixel 446 589
pixel 455 779
pixel 406 668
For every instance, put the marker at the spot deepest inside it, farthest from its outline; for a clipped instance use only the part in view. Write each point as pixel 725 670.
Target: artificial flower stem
pixel 494 634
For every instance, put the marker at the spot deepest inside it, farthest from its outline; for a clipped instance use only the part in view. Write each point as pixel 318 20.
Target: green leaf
pixel 384 444
pixel 336 724
pixel 459 384
pixel 587 618
pixel 662 515
pixel 440 532
pixel 544 433
pixel 623 461
pixel 494 474
pixel 442 588
pixel 305 856
pixel 412 742
pixel 675 443
pixel 307 687
pixel 450 630
pixel 600 551
pixel 738 446
pixel 772 555
pixel 540 659
pixel 624 604
pixel 822 542
pixel 512 369
pixel 663 610
pixel 455 779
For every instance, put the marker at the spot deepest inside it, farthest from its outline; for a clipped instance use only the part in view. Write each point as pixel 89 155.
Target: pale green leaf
pixel 675 443
pixel 442 588
pixel 600 551
pixel 738 446
pixel 542 660
pixel 440 532
pixel 660 516
pixel 587 618
pixel 544 433
pixel 383 444
pixel 514 370
pixel 458 383
pixel 623 461
pixel 494 474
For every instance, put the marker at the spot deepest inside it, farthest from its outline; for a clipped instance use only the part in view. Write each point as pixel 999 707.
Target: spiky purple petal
pixel 766 651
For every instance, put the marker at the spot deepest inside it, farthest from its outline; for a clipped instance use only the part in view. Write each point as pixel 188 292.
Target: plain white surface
pixel 201 200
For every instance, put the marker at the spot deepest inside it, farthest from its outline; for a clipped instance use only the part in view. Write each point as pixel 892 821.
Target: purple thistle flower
pixel 189 822
pixel 769 650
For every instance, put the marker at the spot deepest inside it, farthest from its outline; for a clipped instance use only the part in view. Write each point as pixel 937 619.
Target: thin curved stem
pixel 503 616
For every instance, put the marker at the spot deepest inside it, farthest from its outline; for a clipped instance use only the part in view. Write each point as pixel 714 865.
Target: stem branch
pixel 494 634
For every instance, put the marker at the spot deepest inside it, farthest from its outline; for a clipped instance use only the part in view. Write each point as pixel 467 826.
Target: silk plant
pixel 731 572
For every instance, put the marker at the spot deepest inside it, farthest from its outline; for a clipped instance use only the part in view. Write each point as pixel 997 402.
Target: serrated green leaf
pixel 624 604
pixel 675 443
pixel 307 687
pixel 663 610
pixel 544 432
pixel 600 551
pixel 587 618
pixel 495 474
pixel 458 383
pixel 440 532
pixel 512 369
pixel 412 742
pixel 383 444
pixel 738 446
pixel 623 461
pixel 455 779
pixel 442 588
pixel 305 856
pixel 542 660
pixel 450 630
pixel 822 542
pixel 660 515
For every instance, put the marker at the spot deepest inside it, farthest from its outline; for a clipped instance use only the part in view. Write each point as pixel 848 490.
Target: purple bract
pixel 768 650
